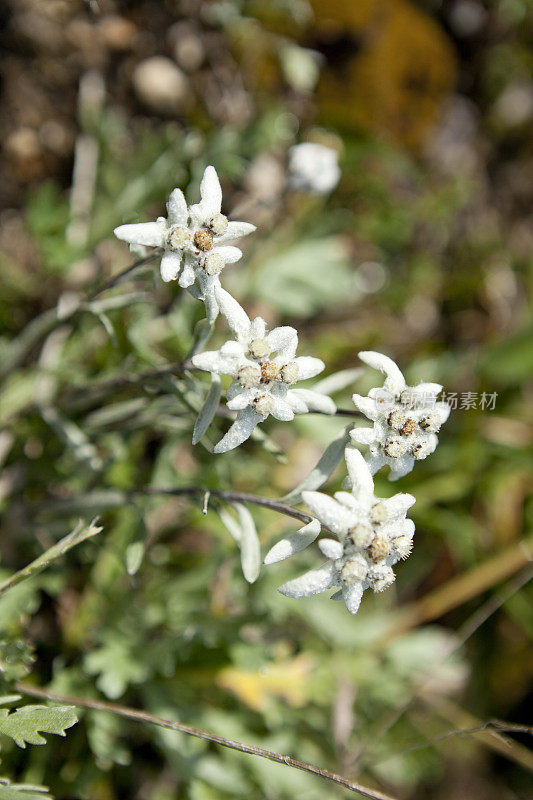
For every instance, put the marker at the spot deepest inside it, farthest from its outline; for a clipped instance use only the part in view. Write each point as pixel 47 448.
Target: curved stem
pixel 143 716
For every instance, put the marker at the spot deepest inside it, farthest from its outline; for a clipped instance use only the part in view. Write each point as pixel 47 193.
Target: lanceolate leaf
pixel 26 724
pixel 328 461
pixel 22 791
pixel 209 409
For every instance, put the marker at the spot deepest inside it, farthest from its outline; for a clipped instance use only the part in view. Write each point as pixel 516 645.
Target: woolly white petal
pixel 228 253
pixel 293 543
pixel 214 361
pixel 376 460
pixel 363 435
pixel 240 400
pixel 359 473
pixel 443 411
pixel 210 191
pixel 170 266
pixel 333 515
pixel 400 466
pixel 236 316
pixel 284 342
pixel 315 400
pixel 235 230
pixel 188 275
pixel 395 381
pixel 239 432
pixel 398 505
pixel 366 405
pixel 258 328
pixel 308 367
pixel 352 597
pixel 331 548
pixel 429 390
pixel 177 210
pixel 296 403
pixel 282 410
pixel 313 582
pixel 151 234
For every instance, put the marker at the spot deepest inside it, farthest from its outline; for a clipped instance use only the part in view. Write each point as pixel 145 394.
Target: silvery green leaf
pixel 338 381
pixel 294 543
pixel 202 333
pixel 301 67
pixel 22 791
pixel 209 409
pixel 134 557
pixel 245 534
pixel 330 458
pixel 250 548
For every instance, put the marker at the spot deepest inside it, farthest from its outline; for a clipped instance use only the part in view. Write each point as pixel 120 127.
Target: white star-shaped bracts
pixel 194 241
pixel 263 367
pixel 373 534
pixel 406 419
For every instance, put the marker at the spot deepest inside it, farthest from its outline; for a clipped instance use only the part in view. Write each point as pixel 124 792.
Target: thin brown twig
pixel 143 716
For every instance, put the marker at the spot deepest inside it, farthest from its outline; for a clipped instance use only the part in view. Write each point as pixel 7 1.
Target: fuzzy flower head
pixel 313 168
pixel 406 419
pixel 373 535
pixel 193 239
pixel 264 368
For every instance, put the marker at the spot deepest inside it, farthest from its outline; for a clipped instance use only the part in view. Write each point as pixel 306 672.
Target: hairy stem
pixel 143 716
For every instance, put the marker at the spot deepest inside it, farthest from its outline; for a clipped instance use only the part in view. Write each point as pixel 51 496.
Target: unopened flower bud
pixel 269 371
pixel 178 237
pixel 403 546
pixel 379 513
pixel 380 547
pixel 249 376
pixel 361 535
pixel 430 423
pixel 354 570
pixel 203 240
pixel 259 348
pixel 264 405
pixel 290 372
pixel 218 224
pixel 381 577
pixel 395 447
pixel 213 263
pixel 422 449
pixel 409 427
pixel 396 419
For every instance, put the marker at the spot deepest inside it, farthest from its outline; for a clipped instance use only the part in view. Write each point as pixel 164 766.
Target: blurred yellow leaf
pixel 287 680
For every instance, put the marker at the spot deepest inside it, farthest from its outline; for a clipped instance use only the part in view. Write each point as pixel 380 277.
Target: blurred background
pixel 427 245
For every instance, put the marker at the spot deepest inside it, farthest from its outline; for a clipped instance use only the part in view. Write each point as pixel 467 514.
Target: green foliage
pixel 22 791
pixel 24 725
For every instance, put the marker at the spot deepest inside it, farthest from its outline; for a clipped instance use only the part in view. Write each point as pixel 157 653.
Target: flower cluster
pixel 193 239
pixel 264 367
pixel 373 534
pixel 406 419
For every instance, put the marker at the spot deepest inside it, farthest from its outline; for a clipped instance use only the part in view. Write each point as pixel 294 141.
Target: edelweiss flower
pixel 194 240
pixel 373 535
pixel 406 419
pixel 263 367
pixel 313 168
